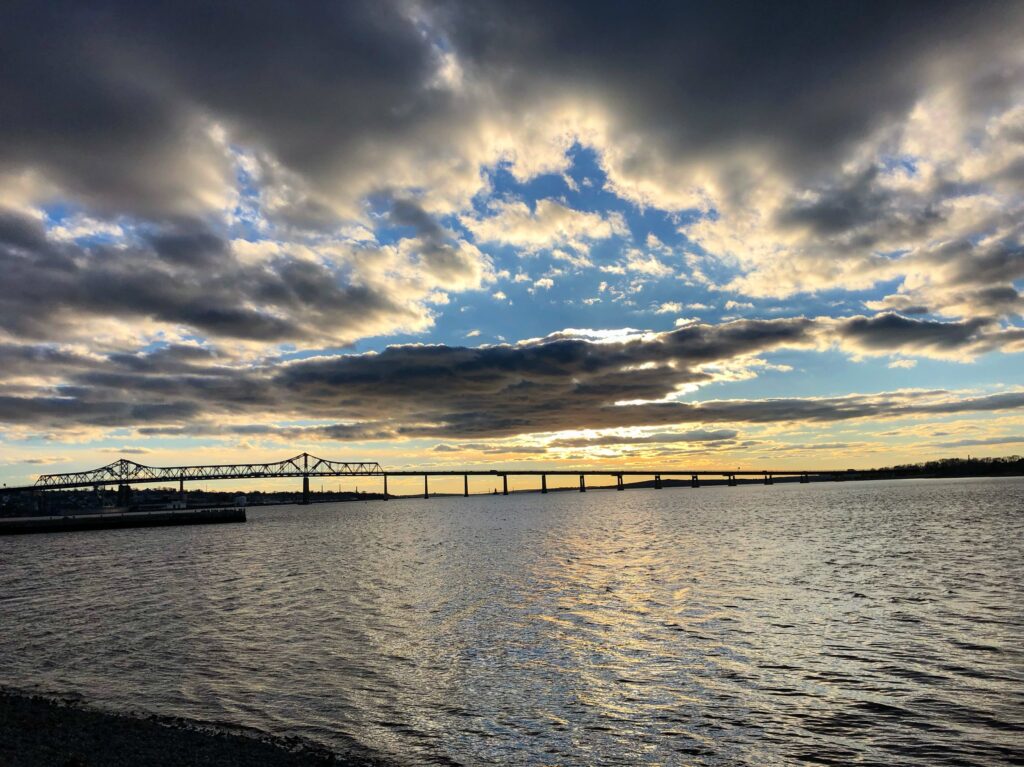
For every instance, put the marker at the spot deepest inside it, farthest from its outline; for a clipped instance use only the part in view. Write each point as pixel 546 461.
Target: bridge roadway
pixel 124 473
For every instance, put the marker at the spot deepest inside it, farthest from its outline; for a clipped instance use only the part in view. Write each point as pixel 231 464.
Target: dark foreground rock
pixel 38 731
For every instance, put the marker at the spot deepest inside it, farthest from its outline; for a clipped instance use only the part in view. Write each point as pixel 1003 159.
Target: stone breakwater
pixel 50 731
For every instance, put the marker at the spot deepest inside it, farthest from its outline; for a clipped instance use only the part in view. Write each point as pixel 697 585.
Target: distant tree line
pixel 1005 466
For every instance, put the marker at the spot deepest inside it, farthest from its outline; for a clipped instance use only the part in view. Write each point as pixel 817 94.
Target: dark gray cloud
pixel 1010 440
pixel 117 109
pixel 892 332
pixel 558 383
pixel 87 407
pixel 17 360
pixel 117 112
pixel 179 275
pixel 994 263
pixel 719 436
pixel 437 251
pixel 859 214
pixel 803 80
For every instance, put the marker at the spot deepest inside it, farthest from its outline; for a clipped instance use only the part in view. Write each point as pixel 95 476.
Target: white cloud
pixel 668 307
pixel 550 224
pixel 83 227
pixel 644 263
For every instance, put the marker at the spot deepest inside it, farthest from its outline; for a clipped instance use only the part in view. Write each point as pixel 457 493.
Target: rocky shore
pixel 44 731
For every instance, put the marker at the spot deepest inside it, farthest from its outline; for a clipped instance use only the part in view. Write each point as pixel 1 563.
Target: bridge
pixel 124 473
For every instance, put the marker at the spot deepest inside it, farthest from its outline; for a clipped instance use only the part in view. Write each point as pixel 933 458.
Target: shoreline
pixel 42 730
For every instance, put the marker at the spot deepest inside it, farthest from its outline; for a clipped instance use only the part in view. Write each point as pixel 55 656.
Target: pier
pixel 59 523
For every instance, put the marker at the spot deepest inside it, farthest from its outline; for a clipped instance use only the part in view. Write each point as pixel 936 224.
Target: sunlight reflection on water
pixel 878 622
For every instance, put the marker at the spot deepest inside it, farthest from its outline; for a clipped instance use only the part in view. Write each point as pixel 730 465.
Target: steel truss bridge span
pixel 125 472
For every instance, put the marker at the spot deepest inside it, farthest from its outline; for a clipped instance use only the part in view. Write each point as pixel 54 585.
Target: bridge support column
pixel 181 489
pixel 657 482
pixel 504 484
pixel 731 480
pixel 426 490
pixel 694 480
pixel 583 484
pixel 123 495
pixel 386 496
pixel 305 478
pixel 804 479
pixel 618 482
pixel 465 486
pixel 543 483
pixel 768 479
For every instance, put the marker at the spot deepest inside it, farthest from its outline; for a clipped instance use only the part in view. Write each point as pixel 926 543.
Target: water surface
pixel 873 622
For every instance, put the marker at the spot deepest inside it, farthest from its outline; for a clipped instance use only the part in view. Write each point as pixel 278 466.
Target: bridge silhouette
pixel 123 473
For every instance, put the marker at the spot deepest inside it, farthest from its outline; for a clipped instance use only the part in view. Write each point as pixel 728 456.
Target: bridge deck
pixel 125 472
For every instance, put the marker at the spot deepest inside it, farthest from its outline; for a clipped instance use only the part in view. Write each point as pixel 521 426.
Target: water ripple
pixel 874 623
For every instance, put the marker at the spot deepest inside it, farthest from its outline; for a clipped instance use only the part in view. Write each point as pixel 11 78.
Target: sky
pixel 521 234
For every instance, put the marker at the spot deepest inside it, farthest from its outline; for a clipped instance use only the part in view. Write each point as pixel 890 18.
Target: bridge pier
pixel 768 479
pixel 305 478
pixel 386 496
pixel 583 484
pixel 465 486
pixel 804 479
pixel 426 490
pixel 504 484
pixel 543 483
pixel 731 480
pixel 657 482
pixel 124 494
pixel 618 482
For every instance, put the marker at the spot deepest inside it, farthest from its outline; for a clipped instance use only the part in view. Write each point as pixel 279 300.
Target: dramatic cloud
pixel 187 277
pixel 565 382
pixel 696 435
pixel 891 333
pixel 200 205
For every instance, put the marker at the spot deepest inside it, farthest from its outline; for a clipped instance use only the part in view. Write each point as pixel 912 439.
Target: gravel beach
pixel 44 731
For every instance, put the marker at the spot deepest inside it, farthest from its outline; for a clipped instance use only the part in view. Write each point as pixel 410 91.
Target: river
pixel 833 623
